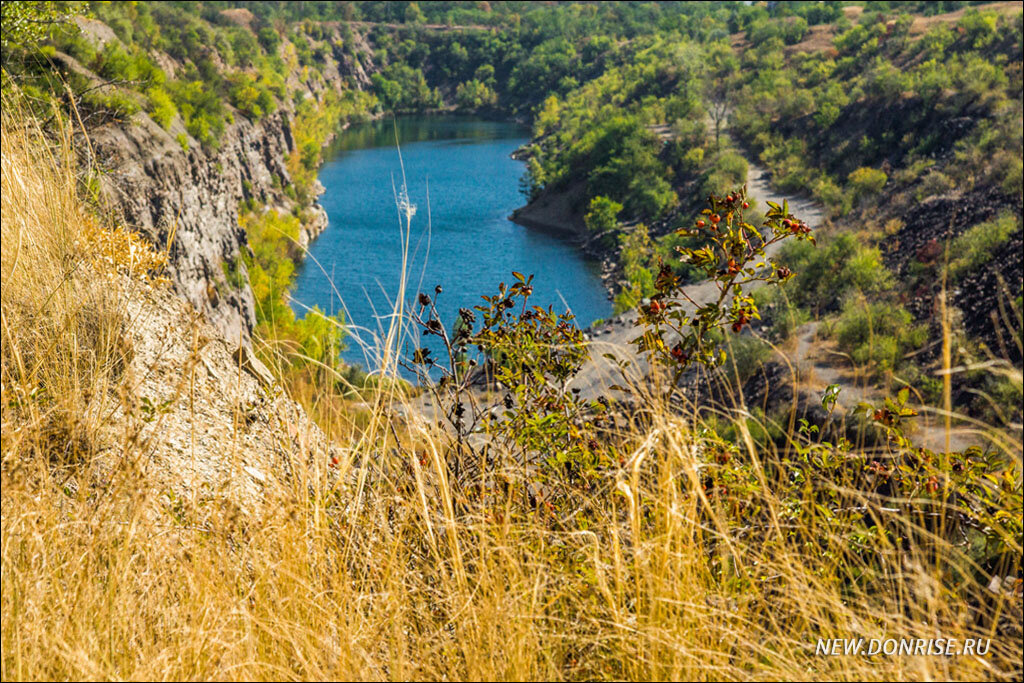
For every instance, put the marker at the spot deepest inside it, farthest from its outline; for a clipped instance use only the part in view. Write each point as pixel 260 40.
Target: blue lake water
pixel 468 245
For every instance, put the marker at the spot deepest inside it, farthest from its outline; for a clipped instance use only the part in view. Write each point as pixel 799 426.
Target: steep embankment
pixel 184 196
pixel 187 201
pixel 107 373
pixel 201 416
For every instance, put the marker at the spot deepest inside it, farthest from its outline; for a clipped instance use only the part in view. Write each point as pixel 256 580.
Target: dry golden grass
pixel 384 579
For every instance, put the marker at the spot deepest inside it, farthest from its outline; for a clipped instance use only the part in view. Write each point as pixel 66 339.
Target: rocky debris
pixel 929 227
pixel 96 31
pixel 985 298
pixel 936 220
pixel 247 361
pixel 239 16
pixel 311 229
pixel 203 417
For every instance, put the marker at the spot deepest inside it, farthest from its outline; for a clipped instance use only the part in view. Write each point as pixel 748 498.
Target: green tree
pixel 413 14
pixel 602 214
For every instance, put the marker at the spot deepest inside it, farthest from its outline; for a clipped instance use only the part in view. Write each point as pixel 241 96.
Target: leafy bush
pixel 161 107
pixel 201 109
pixel 1013 178
pixel 979 244
pixel 933 184
pixel 827 275
pixel 677 338
pixel 316 339
pixel 621 156
pixel 780 315
pixel 252 97
pixel 269 39
pixel 602 214
pixel 979 27
pixel 474 94
pixel 729 169
pixel 832 196
pixel 532 354
pixel 118 103
pixel 402 87
pixel 866 182
pixel 746 355
pixel 877 334
pixel 636 253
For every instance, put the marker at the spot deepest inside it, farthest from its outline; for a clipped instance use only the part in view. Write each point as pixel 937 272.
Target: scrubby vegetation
pixel 637 551
pixel 498 521
pixel 273 239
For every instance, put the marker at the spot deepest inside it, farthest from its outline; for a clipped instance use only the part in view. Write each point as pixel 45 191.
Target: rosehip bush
pixel 679 331
pixel 525 356
pixel 833 497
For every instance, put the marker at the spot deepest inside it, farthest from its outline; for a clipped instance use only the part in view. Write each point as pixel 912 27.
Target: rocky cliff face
pixel 187 201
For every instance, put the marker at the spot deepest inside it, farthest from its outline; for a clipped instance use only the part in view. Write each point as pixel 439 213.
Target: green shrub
pixel 934 184
pixel 1013 178
pixel 637 252
pixel 693 158
pixel 866 182
pixel 474 94
pixel 316 337
pixel 252 97
pixel 161 107
pixel 979 244
pixel 877 334
pixel 202 110
pixel 728 170
pixel 832 196
pixel 979 27
pixel 675 339
pixel 747 354
pixel 116 102
pixel 602 214
pixel 827 275
pixel 780 315
pixel 912 171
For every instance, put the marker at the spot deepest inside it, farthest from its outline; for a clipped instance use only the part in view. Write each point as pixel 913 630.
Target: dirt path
pixel 613 336
pixel 411 26
pixel 819 364
pixel 816 361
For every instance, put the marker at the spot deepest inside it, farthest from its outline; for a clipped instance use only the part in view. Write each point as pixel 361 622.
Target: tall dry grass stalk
pixel 108 583
pixel 63 331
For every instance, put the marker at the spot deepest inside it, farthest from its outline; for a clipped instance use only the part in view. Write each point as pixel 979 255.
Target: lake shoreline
pixel 463 177
pixel 555 214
